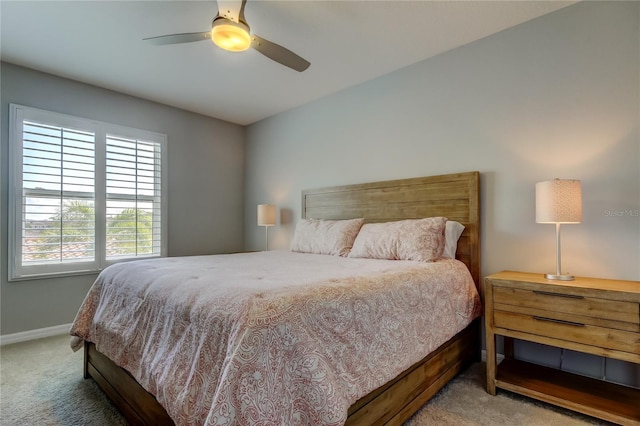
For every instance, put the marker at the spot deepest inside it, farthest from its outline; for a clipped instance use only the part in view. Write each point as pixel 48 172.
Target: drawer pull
pixel 575 324
pixel 548 293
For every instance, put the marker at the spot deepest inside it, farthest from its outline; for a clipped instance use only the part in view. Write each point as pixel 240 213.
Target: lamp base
pixel 561 277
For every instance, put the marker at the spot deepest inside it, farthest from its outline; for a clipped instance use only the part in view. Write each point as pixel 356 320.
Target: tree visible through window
pixel 67 235
pixel 130 231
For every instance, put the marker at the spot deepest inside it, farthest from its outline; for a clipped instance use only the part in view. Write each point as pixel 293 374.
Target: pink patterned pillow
pixel 413 239
pixel 325 236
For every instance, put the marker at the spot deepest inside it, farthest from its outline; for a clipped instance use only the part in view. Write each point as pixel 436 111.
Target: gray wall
pixel 206 185
pixel 554 97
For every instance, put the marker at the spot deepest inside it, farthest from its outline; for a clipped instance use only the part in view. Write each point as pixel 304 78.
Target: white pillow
pixel 452 233
pixel 333 237
pixel 412 239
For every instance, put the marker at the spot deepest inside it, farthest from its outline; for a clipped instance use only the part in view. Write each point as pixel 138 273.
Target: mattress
pixel 271 337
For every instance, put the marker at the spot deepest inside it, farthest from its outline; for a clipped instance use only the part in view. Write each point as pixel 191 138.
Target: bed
pixel 454 196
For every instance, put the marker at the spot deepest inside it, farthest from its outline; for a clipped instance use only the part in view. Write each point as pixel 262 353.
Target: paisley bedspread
pixel 271 338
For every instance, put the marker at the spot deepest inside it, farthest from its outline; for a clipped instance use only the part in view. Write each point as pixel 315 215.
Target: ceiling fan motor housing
pixel 230 35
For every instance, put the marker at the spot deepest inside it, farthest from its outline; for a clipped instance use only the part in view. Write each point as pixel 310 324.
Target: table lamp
pixel 266 218
pixel 559 201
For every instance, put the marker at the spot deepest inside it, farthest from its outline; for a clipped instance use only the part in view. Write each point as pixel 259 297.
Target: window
pixel 133 206
pixel 84 194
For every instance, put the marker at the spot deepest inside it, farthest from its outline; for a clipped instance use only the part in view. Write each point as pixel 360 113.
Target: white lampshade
pixel 266 215
pixel 559 201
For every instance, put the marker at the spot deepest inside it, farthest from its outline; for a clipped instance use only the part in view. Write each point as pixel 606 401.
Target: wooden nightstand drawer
pixel 545 302
pixel 569 330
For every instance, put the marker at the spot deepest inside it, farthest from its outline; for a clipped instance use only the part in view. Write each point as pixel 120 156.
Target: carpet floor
pixel 41 384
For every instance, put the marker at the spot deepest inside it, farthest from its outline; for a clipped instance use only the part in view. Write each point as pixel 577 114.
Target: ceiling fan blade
pixel 279 54
pixel 179 38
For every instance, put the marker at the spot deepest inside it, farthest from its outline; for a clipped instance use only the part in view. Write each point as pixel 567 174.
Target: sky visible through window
pixel 47 171
pixel 58 159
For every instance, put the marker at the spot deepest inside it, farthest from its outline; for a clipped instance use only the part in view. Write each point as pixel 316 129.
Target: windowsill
pixel 51 275
pixel 34 277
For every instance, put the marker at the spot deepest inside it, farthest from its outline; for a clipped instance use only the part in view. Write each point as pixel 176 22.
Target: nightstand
pixel 596 316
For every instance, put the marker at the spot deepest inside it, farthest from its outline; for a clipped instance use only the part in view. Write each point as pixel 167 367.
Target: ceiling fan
pixel 230 31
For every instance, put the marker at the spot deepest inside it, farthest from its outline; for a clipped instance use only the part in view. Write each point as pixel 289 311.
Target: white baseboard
pixel 499 357
pixel 39 333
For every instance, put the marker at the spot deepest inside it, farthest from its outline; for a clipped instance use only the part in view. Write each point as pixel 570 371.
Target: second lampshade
pixel 266 218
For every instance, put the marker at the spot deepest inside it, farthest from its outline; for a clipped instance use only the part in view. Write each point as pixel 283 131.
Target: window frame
pixel 17 115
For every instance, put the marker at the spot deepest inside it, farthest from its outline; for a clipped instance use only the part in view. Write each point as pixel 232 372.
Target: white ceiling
pixel 347 43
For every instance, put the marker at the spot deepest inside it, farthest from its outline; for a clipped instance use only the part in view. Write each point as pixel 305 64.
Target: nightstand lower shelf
pixel 608 401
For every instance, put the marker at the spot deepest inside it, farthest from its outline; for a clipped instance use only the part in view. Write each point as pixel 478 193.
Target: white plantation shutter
pixel 84 194
pixel 58 168
pixel 134 197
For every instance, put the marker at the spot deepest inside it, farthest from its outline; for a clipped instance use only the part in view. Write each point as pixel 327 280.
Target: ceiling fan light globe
pixel 231 36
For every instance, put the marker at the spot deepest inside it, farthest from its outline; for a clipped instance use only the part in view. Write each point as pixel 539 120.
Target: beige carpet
pixel 41 384
pixel 464 402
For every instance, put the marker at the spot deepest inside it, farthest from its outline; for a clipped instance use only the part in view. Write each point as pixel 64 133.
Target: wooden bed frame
pixel 455 196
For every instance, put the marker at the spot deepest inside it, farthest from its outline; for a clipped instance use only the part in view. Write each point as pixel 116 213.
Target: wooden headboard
pixel 454 196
